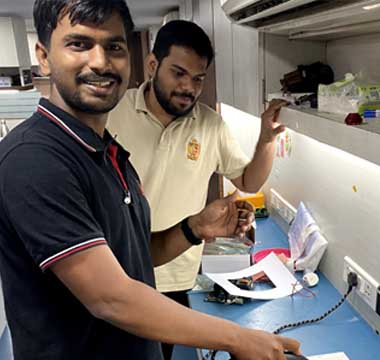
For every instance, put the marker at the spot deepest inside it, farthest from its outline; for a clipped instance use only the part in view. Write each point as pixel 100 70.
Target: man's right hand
pixel 224 217
pixel 261 345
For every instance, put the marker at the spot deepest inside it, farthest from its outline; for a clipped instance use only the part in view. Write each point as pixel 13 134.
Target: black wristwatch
pixel 189 235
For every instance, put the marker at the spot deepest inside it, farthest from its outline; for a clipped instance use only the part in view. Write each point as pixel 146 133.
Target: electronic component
pixel 223 297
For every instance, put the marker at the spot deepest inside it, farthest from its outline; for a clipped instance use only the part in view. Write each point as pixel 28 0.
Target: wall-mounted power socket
pixel 282 207
pixel 367 287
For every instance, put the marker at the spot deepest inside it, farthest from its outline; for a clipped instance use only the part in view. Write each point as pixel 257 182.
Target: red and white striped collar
pixel 48 110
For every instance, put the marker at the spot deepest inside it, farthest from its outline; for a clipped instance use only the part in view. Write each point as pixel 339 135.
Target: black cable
pixel 352 280
pixel 315 320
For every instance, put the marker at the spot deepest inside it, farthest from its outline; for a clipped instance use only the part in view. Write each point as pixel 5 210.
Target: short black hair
pixel 47 13
pixel 185 34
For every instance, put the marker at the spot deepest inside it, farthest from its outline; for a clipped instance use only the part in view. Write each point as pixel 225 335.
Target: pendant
pixel 127 199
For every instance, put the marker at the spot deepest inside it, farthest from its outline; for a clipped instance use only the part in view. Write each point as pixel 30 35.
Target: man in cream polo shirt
pixel 177 143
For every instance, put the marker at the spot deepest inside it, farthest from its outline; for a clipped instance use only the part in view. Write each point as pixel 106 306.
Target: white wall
pixel 245 128
pixel 341 191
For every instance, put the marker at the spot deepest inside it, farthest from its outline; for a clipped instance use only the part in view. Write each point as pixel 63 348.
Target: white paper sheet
pixel 335 356
pixel 284 281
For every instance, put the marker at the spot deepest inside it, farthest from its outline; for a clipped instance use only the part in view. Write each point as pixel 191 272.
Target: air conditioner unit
pixel 320 19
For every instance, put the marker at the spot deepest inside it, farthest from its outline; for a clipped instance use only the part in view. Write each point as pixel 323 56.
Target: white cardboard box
pixel 225 263
pixel 5 81
pixel 225 255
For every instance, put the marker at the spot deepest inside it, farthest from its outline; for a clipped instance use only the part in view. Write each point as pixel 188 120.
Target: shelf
pixel 41 78
pixel 362 140
pixel 26 87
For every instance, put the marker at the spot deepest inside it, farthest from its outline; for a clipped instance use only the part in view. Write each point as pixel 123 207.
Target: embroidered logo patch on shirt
pixel 193 150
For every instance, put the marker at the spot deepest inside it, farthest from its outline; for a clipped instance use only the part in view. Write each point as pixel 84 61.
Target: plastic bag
pixel 350 95
pixel 226 246
pixel 307 244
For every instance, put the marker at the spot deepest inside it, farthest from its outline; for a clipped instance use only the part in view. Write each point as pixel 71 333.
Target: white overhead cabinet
pixel 307 19
pixel 14 43
pixel 15 64
pixel 343 34
pixel 236 63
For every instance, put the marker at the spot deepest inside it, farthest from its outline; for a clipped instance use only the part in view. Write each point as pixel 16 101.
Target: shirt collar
pixel 140 104
pixel 74 128
pixel 84 135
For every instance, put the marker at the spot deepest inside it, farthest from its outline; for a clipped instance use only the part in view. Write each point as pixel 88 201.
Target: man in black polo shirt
pixel 76 253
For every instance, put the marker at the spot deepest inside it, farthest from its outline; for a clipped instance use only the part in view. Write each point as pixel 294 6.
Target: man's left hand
pixel 225 217
pixel 270 127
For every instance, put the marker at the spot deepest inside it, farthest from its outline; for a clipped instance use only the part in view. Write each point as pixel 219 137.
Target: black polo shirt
pixel 63 189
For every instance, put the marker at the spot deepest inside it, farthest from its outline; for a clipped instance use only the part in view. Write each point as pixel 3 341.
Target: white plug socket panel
pixel 367 287
pixel 283 207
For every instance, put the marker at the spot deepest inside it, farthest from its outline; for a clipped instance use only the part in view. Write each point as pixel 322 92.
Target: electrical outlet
pixel 367 287
pixel 283 207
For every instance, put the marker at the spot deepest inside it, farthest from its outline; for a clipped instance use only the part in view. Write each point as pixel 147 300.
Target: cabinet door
pixel 203 16
pixel 223 55
pixel 14 43
pixel 245 50
pixel 8 56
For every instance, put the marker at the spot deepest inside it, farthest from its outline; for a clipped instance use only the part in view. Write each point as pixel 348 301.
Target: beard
pixel 77 101
pixel 165 102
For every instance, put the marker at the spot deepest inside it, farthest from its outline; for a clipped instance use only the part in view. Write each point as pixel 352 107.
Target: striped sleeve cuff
pixel 70 251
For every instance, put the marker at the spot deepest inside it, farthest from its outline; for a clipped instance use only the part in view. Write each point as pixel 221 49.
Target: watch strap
pixel 189 235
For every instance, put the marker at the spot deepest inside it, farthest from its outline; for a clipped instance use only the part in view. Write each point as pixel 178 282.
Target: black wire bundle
pixel 352 282
pixel 315 320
